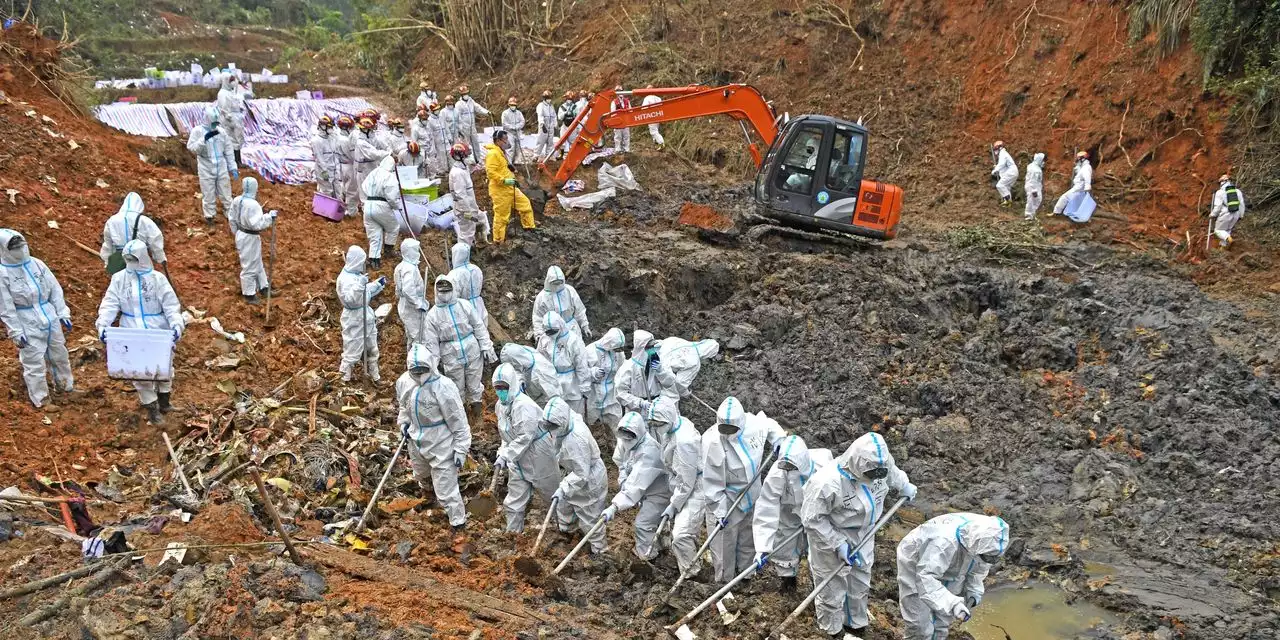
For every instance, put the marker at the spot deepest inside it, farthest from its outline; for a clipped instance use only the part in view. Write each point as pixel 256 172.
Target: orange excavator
pixel 809 176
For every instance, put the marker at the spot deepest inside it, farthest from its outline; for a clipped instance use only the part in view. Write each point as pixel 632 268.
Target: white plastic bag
pixel 586 201
pixel 619 177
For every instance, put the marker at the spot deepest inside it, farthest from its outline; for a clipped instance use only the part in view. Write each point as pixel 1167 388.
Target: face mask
pixel 419 374
pixel 989 558
pixel 727 429
pixel 879 473
pixel 503 394
pixel 551 333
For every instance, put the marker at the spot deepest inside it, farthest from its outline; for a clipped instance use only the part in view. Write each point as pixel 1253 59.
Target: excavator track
pixel 759 226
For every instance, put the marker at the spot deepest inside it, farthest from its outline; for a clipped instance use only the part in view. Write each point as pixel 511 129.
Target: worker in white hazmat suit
pixel 412 156
pixel 537 372
pixel 434 422
pixel 393 138
pixel 440 142
pixel 566 113
pixel 449 114
pixel 466 213
pixel 604 359
pixel 459 338
pixel 324 147
pixel 142 298
pixel 1228 208
pixel 468 278
pixel 359 326
pixel 675 363
pixel 941 568
pixel 566 352
pixel 528 451
pixel 368 155
pixel 411 293
pixel 642 482
pixel 561 298
pixel 1081 182
pixel 36 316
pixel 426 97
pixel 546 115
pixel 778 510
pixel 348 188
pixel 247 224
pixel 382 210
pixel 636 385
pixel 232 107
pixel 1034 186
pixel 129 224
pixel 842 502
pixel 622 136
pixel 466 111
pixel 654 132
pixel 1005 173
pixel 215 164
pixel 732 454
pixel 682 458
pixel 582 492
pixel 513 124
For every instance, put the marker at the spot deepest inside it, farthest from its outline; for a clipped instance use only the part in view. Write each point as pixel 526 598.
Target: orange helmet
pixel 459 151
pixel 346 123
pixel 414 148
pixel 463 90
pixel 395 123
pixel 434 107
pixel 367 124
pixel 998 144
pixel 448 99
pixel 1082 155
pixel 511 102
pixel 326 121
pixel 546 94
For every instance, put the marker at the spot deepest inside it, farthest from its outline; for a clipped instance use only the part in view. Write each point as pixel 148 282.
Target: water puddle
pixel 1035 611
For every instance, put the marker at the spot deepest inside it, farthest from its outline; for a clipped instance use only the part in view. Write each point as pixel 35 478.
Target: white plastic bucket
pixel 139 354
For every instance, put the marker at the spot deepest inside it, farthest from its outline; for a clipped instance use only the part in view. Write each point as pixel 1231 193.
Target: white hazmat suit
pixel 432 416
pixel 546 113
pixel 129 224
pixel 468 278
pixel 513 124
pixel 1228 208
pixel 842 503
pixel 231 107
pixel 324 146
pixel 537 372
pixel 940 573
pixel 382 209
pixel 561 298
pixel 528 451
pixel 679 362
pixel 465 111
pixel 1081 182
pixel 459 338
pixel 636 385
pixel 568 355
pixel 682 458
pixel 1034 186
pixel 730 464
pixel 466 213
pixel 604 359
pixel 35 314
pixel 654 132
pixel 1006 172
pixel 642 482
pixel 621 137
pixel 247 224
pixel 359 326
pixel 367 155
pixel 778 509
pixel 583 489
pixel 142 298
pixel 348 187
pixel 215 164
pixel 440 143
pixel 411 293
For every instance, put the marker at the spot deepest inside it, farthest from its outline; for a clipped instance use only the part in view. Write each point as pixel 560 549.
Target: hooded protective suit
pixel 407 158
pixel 215 164
pixel 231 108
pixel 439 437
pixel 466 213
pixel 778 510
pixel 247 224
pixel 547 128
pixel 567 354
pixel 585 484
pixel 621 137
pixel 129 224
pixel 513 124
pixel 1081 181
pixel 939 571
pixel 642 481
pixel 503 195
pixel 679 362
pixel 682 458
pixel 729 467
pixel 411 293
pixel 382 207
pixel 654 132
pixel 324 146
pixel 35 315
pixel 420 132
pixel 348 186
pixel 440 143
pixel 425 98
pixel 1006 170
pixel 528 450
pixel 449 116
pixel 560 297
pixel 1034 186
pixel 636 386
pixel 1228 208
pixel 359 326
pixel 537 372
pixel 459 338
pixel 468 278
pixel 604 358
pixel 465 113
pixel 368 155
pixel 142 297
pixel 841 503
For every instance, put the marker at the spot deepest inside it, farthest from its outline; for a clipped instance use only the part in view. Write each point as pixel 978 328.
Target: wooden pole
pixel 177 466
pixel 275 517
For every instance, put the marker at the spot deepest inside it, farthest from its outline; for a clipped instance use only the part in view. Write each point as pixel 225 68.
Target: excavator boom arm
pixel 740 102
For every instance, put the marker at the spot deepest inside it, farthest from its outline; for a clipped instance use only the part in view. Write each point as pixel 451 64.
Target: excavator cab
pixel 812 176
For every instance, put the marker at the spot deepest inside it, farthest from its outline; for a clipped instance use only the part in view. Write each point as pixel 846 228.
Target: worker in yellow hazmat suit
pixel 502 188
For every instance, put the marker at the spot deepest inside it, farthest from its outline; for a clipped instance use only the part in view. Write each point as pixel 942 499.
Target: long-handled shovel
pixel 564 563
pixel 777 631
pixel 378 491
pixel 551 509
pixel 267 323
pixel 484 504
pixel 688 617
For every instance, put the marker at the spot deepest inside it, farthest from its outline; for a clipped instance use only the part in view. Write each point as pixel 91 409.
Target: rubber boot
pixel 238 162
pixel 153 413
pixel 375 263
pixel 163 401
pixel 262 293
pixel 252 299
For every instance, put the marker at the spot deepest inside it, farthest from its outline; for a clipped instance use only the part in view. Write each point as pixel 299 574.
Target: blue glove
pixel 973 600
pixel 66 325
pixel 404 430
pixel 609 513
pixel 762 559
pixel 722 522
pixel 176 335
pixel 235 173
pixel 908 492
pixel 382 281
pixel 103 337
pixel 21 341
pixel 849 556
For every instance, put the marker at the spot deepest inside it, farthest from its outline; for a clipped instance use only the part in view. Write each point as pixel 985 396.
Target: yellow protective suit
pixel 503 196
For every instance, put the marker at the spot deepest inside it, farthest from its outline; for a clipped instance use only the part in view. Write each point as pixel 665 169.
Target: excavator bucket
pixel 704 217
